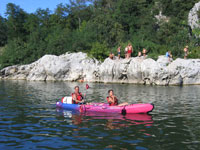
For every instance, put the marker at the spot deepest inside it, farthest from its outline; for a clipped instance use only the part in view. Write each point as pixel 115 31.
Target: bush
pixel 99 51
pixel 194 52
pixel 13 53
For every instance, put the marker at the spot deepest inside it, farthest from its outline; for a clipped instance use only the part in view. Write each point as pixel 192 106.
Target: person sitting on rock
pixel 113 101
pixel 111 55
pixel 139 54
pixel 144 52
pixel 77 96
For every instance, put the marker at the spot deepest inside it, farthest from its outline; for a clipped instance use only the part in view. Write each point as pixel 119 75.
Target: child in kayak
pixel 77 96
pixel 112 99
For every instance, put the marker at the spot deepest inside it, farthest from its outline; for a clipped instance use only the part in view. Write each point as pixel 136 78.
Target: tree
pixel 97 27
pixel 3 31
pixel 78 11
pixel 16 18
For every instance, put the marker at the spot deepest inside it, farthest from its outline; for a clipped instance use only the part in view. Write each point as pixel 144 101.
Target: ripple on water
pixel 29 120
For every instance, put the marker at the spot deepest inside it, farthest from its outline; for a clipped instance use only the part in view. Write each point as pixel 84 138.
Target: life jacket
pixel 79 97
pixel 112 104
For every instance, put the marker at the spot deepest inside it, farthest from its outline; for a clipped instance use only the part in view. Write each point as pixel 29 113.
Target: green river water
pixel 29 118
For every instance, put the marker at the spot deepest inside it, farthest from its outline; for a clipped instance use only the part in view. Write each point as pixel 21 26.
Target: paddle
pixel 87 87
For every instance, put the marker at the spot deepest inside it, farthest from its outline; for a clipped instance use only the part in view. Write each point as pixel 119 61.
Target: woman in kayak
pixel 112 99
pixel 77 96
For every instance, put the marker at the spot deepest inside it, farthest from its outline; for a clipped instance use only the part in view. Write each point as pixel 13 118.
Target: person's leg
pixel 123 104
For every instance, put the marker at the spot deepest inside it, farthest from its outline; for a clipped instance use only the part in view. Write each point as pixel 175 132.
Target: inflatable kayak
pixel 105 108
pixel 128 109
pixel 66 103
pixel 68 106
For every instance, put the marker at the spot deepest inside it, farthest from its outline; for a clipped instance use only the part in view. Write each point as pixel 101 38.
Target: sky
pixel 31 6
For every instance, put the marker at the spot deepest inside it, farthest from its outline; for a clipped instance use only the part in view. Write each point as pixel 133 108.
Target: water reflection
pixel 112 128
pixel 113 121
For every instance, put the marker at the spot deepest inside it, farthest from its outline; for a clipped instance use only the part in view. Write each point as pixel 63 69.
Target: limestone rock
pixel 78 67
pixel 193 19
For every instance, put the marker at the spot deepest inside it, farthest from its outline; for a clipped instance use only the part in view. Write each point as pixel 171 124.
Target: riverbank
pixel 79 67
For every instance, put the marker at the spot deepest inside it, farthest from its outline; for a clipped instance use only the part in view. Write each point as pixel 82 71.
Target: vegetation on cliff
pixel 97 27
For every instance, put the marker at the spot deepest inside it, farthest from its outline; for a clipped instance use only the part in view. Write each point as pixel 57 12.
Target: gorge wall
pixel 79 67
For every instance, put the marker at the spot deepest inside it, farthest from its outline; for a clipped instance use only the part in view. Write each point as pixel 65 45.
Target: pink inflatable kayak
pixel 128 109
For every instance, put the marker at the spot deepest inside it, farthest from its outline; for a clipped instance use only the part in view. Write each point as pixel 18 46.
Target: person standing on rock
pixel 186 52
pixel 130 50
pixel 119 51
pixel 126 51
pixel 169 55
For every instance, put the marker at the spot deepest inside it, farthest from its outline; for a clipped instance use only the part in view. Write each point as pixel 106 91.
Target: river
pixel 30 120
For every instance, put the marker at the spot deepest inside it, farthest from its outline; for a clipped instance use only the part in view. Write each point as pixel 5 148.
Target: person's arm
pixel 82 98
pixel 79 101
pixel 115 100
pixel 73 96
pixel 74 99
pixel 110 100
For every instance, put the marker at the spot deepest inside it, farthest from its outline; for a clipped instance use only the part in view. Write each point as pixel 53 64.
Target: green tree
pixel 3 31
pixel 97 27
pixel 16 18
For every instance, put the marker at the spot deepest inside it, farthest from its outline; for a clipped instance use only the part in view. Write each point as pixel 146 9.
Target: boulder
pixel 79 67
pixel 193 19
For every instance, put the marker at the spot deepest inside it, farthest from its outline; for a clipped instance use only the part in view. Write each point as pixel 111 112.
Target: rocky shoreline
pixel 79 67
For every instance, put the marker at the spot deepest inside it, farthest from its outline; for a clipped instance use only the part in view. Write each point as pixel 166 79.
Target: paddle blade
pixel 87 86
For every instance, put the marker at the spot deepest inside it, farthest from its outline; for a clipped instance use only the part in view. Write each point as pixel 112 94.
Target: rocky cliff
pixel 193 19
pixel 79 67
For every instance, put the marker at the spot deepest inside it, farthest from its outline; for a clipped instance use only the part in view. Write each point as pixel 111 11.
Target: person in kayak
pixel 77 96
pixel 113 101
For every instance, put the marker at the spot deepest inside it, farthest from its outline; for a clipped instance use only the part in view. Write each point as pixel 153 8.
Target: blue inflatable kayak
pixel 68 106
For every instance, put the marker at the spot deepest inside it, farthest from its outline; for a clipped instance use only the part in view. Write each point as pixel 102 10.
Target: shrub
pixel 99 51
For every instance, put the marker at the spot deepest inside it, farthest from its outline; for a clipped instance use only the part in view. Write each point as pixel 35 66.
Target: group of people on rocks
pixel 129 50
pixel 169 53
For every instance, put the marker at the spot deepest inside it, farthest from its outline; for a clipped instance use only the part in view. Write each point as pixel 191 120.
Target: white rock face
pixel 193 19
pixel 161 18
pixel 78 67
